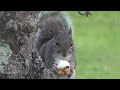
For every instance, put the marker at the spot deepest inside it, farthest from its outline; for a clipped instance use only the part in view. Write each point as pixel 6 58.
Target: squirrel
pixel 54 40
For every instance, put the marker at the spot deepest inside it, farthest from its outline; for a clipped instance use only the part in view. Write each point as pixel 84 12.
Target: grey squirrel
pixel 54 39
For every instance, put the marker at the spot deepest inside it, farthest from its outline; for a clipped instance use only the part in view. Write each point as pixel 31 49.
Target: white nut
pixel 62 64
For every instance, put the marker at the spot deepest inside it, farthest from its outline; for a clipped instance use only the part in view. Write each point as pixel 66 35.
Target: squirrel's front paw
pixel 65 71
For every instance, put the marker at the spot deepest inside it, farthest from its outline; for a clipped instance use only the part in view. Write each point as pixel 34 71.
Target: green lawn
pixel 97 42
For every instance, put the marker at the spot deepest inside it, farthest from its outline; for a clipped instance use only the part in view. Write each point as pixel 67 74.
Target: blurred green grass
pixel 97 42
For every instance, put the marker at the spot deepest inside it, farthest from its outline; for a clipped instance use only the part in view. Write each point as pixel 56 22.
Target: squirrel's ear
pixel 70 31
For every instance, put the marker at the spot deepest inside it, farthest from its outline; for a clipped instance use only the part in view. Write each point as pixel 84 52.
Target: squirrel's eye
pixel 71 44
pixel 57 44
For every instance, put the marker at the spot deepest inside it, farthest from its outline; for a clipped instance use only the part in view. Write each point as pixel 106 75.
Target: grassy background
pixel 97 41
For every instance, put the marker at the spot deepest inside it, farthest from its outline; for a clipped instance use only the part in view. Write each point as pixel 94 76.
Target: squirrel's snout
pixel 64 54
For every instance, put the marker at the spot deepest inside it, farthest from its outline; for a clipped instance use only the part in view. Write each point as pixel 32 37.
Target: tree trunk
pixel 18 29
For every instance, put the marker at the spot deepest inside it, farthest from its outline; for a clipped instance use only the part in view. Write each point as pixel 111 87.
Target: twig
pixel 87 13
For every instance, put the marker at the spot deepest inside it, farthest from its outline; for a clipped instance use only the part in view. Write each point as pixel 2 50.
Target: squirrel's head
pixel 63 43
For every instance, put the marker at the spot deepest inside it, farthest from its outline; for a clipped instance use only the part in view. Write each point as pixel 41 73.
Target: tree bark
pixel 18 29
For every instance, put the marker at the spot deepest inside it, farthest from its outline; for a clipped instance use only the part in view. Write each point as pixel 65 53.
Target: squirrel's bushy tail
pixel 48 23
pixel 62 14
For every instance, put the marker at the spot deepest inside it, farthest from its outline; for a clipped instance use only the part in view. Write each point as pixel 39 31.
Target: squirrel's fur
pixel 54 39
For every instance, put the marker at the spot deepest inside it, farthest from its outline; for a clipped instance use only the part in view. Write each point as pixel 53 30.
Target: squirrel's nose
pixel 64 54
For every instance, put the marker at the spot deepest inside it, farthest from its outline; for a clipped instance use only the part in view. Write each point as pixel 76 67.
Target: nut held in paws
pixel 63 67
pixel 63 64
